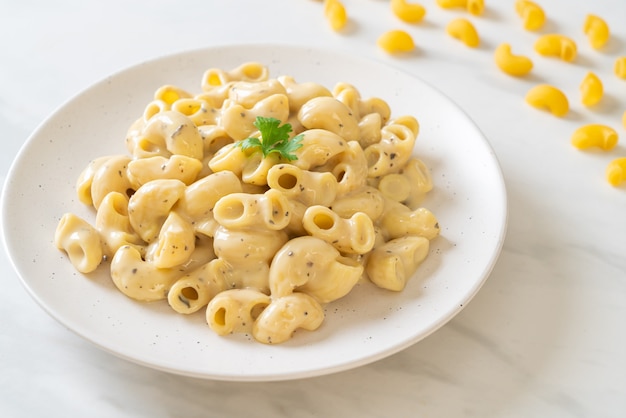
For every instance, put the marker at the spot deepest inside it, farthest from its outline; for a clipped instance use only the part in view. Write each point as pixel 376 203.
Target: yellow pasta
pixel 620 67
pixel 463 30
pixel 475 7
pixel 396 41
pixel 391 264
pixel 616 171
pixel 597 31
pixel 550 98
pixel 557 45
pixel 532 14
pixel 209 211
pixel 515 65
pixel 335 13
pixel 80 241
pixel 595 135
pixel 591 89
pixel 406 11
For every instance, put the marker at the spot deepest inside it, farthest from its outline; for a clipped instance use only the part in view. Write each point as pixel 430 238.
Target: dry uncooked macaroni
pixel 261 243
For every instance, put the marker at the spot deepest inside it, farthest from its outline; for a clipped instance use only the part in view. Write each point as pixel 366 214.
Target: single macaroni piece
pixel 113 224
pixel 283 316
pixel 398 221
pixel 259 221
pixel 335 13
pixel 515 65
pixel 248 71
pixel 300 93
pixel 595 135
pixel 194 290
pixel 168 133
pixel 549 98
pixel 353 236
pixel 391 265
pixel 179 167
pixel 407 11
pixel 620 67
pixel 475 7
pixel 392 152
pixel 591 89
pixel 463 30
pixel 367 200
pixel 176 242
pixel 236 310
pixel 396 41
pixel 140 279
pixel 597 31
pixel 151 204
pixel 319 146
pixel 329 114
pixel 420 179
pixel 311 265
pixel 307 187
pixel 557 45
pixel 246 210
pixel 532 14
pixel 616 171
pixel 238 121
pixel 111 176
pixel 80 241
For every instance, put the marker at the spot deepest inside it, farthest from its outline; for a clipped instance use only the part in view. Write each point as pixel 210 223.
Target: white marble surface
pixel 544 337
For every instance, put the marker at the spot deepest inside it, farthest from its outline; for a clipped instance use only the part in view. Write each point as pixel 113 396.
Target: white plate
pixel 469 200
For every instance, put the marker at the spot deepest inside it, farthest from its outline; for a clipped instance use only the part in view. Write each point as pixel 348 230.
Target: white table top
pixel 545 336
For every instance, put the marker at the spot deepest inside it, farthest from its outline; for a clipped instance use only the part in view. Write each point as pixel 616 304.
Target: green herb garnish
pixel 274 138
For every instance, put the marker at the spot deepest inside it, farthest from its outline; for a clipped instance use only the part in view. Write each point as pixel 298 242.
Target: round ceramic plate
pixel 468 199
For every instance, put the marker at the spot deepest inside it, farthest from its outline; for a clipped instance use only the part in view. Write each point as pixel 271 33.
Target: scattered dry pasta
pixel 463 30
pixel 550 98
pixel 616 171
pixel 210 210
pixel 335 13
pixel 532 14
pixel 557 45
pixel 595 135
pixel 591 89
pixel 620 67
pixel 475 7
pixel 396 41
pixel 407 11
pixel 515 65
pixel 597 31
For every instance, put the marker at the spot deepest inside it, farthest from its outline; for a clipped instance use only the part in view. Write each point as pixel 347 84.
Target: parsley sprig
pixel 274 138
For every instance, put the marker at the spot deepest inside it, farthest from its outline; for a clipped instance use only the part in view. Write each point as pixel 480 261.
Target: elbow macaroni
pixel 620 67
pixel 596 30
pixel 396 41
pixel 616 171
pixel 261 243
pixel 475 7
pixel 531 13
pixel 463 30
pixel 557 45
pixel 408 12
pixel 591 89
pixel 595 135
pixel 515 65
pixel 549 98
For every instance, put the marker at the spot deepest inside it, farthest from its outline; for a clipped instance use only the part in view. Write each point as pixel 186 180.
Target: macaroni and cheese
pixel 258 200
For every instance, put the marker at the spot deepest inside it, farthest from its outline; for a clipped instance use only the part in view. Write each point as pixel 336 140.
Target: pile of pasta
pixel 261 242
